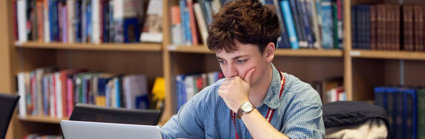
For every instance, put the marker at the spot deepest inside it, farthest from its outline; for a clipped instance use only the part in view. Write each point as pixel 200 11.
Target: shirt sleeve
pixel 304 116
pixel 188 121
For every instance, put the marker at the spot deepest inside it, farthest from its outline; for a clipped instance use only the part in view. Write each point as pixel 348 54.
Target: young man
pixel 255 100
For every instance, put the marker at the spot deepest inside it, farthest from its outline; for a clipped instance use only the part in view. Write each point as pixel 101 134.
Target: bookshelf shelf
pixel 309 52
pixel 278 52
pixel 379 54
pixel 42 119
pixel 88 46
pixel 189 49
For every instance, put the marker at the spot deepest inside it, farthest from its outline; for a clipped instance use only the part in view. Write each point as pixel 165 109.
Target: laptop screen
pixel 86 112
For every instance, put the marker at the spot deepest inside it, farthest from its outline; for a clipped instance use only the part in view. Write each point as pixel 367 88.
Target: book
pixel 152 29
pixel 421 113
pixel 202 25
pixel 289 24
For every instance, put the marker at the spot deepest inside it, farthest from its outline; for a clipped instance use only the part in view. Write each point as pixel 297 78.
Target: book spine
pixel 327 35
pixel 289 24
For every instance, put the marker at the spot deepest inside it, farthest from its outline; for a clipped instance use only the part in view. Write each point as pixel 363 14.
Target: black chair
pixel 7 106
pixel 343 115
pixel 92 113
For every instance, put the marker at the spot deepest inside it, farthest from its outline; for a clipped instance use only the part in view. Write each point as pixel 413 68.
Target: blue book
pixel 327 25
pixel 105 21
pixel 45 91
pixel 181 91
pixel 283 41
pixel 308 32
pixel 380 97
pixel 354 26
pixel 410 114
pixel 289 24
pixel 54 20
pixel 77 23
pixel 118 92
pixel 299 27
pixel 131 30
pixel 89 24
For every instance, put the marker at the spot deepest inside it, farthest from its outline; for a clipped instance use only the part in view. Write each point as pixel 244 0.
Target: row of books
pixel 405 108
pixel 48 92
pixel 310 23
pixel 83 21
pixel 42 136
pixel 188 85
pixel 331 89
pixel 303 23
pixel 388 27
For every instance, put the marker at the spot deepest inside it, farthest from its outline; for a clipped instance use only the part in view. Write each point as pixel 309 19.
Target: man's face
pixel 239 62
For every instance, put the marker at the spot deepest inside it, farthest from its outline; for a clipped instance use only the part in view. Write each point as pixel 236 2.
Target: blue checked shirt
pixel 298 113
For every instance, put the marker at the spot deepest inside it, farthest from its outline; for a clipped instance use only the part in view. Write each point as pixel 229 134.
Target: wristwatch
pixel 246 107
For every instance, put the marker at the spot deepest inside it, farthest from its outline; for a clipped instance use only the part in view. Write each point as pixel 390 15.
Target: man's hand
pixel 235 91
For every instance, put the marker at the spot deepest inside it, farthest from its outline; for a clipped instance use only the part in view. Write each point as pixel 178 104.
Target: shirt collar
pixel 272 95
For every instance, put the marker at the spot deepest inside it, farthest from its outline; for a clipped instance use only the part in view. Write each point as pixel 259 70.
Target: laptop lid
pixel 97 130
pixel 87 112
pixel 7 106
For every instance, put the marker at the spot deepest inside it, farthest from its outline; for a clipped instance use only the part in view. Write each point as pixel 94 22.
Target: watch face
pixel 247 107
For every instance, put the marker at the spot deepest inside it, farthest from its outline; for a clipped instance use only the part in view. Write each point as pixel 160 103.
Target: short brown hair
pixel 245 21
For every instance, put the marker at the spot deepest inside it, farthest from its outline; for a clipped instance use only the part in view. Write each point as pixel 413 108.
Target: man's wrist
pixel 246 107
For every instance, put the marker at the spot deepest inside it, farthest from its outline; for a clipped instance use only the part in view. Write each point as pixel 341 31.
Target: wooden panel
pixel 147 63
pixel 311 69
pixel 367 73
pixel 90 46
pixel 42 119
pixel 414 73
pixel 30 59
pixel 348 73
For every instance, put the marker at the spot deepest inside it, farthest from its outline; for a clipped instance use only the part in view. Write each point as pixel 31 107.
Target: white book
pixel 70 5
pixel 96 21
pixel 21 92
pixel 190 88
pixel 201 22
pixel 216 5
pixel 134 86
pixel 46 22
pixel 22 21
pixel 153 25
pixel 58 87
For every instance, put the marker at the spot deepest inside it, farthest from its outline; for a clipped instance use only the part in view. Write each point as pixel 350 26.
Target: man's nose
pixel 231 71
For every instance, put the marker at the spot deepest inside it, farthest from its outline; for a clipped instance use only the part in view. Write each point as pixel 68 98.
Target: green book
pixel 421 113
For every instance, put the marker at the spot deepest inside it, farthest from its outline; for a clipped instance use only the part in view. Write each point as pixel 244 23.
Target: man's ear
pixel 269 51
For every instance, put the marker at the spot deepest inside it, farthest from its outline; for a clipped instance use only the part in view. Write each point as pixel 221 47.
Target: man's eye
pixel 221 61
pixel 241 61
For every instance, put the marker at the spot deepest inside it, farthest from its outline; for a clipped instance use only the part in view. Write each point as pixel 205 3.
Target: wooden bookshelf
pixel 42 119
pixel 88 46
pixel 380 54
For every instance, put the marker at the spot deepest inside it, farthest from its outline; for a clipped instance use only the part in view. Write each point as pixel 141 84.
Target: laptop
pixel 92 113
pixel 97 130
pixel 7 106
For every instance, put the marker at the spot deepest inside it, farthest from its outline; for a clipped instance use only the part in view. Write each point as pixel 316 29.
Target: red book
pixel 192 21
pixel 40 20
